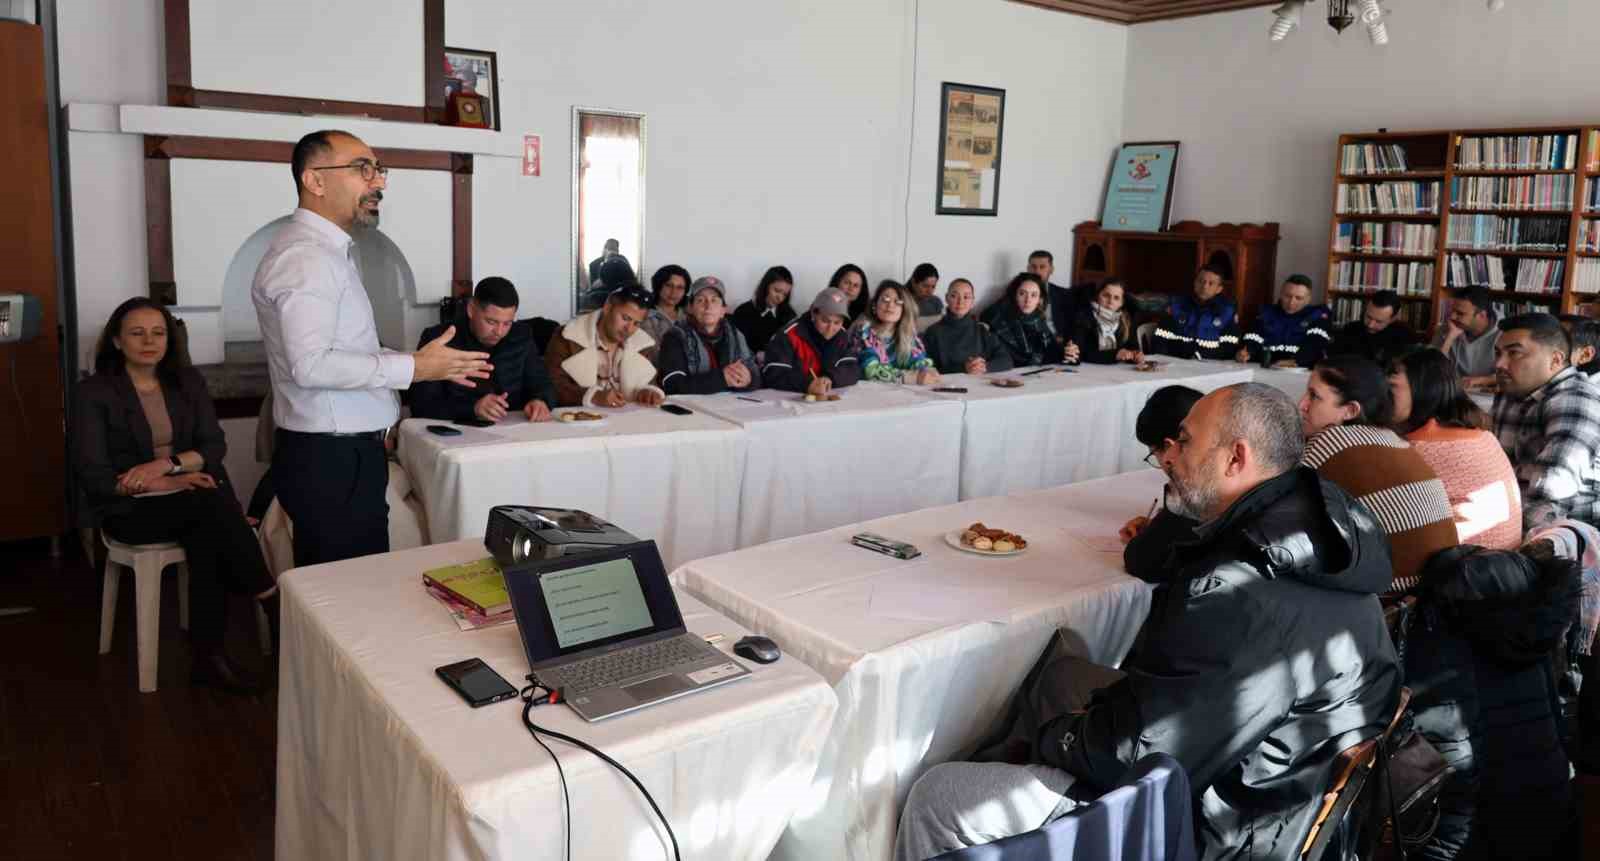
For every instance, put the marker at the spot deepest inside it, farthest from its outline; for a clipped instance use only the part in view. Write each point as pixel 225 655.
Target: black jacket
pixel 1149 555
pixel 953 340
pixel 1067 303
pixel 519 374
pixel 1264 659
pixel 788 368
pixel 1085 332
pixel 1477 662
pixel 1353 339
pixel 758 328
pixel 112 435
pixel 1028 340
pixel 672 363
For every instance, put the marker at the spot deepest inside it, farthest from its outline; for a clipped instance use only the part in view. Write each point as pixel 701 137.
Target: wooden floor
pixel 90 768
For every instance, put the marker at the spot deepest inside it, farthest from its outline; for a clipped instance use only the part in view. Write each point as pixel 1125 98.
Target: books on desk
pixel 474 592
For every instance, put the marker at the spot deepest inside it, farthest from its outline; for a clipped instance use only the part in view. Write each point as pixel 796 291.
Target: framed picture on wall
pixel 971 119
pixel 1139 193
pixel 468 72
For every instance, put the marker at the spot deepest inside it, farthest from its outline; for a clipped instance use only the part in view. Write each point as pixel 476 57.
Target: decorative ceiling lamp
pixel 1339 16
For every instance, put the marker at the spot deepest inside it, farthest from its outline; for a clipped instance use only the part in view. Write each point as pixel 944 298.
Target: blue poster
pixel 1139 195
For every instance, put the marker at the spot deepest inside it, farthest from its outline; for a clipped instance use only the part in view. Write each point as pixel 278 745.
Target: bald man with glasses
pixel 334 387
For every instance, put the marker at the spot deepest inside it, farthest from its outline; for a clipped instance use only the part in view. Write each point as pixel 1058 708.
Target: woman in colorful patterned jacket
pixel 886 342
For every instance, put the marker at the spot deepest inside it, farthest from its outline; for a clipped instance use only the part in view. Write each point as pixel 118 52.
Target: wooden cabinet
pixel 1165 262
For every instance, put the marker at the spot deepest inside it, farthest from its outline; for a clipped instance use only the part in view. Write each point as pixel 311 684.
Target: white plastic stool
pixel 147 562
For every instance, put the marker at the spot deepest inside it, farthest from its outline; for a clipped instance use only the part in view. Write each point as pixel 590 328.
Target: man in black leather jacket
pixel 519 381
pixel 1258 663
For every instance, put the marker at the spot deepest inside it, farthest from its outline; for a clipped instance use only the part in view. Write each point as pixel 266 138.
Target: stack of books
pixel 1406 279
pixel 1517 152
pixel 1522 274
pixel 1371 158
pixel 1588 277
pixel 1386 237
pixel 1502 233
pixel 1546 191
pixel 1390 198
pixel 473 592
pixel 1502 310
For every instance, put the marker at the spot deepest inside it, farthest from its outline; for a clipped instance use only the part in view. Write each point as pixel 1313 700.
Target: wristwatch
pixel 177 465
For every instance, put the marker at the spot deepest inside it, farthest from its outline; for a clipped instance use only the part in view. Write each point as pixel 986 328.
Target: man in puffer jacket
pixel 1477 662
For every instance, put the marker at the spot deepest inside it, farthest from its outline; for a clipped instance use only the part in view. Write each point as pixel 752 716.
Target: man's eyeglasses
pixel 1154 457
pixel 370 170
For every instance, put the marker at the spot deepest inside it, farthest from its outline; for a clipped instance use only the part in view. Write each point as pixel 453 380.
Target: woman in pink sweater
pixel 1435 415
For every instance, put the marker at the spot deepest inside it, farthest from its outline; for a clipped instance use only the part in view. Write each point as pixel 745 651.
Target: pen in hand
pixel 1154 503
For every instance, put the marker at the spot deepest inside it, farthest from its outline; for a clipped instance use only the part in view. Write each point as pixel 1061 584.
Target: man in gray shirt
pixel 1468 337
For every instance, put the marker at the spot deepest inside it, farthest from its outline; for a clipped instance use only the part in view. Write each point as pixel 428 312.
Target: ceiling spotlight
pixel 1372 16
pixel 1288 19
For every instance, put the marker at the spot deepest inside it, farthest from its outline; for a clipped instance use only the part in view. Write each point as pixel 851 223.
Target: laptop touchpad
pixel 656 688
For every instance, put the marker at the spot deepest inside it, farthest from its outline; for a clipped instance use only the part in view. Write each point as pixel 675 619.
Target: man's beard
pixel 1194 499
pixel 367 217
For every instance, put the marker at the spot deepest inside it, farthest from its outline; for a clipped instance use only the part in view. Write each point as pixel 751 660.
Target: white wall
pixel 777 134
pixel 1259 121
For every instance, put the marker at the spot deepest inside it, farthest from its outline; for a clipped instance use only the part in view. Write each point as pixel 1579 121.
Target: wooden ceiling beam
pixel 1140 11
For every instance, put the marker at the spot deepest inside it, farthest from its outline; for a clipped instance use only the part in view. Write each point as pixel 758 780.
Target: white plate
pixel 556 417
pixel 953 538
pixel 823 400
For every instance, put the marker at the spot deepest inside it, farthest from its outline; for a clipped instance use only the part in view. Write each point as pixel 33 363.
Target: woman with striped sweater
pixel 1344 413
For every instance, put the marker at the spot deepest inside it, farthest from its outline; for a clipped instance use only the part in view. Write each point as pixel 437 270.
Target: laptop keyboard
pixel 611 668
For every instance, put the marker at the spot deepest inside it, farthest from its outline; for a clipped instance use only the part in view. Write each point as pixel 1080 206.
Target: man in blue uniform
pixel 1201 326
pixel 1291 334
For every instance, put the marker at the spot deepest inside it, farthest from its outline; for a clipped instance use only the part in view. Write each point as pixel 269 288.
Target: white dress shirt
pixel 329 373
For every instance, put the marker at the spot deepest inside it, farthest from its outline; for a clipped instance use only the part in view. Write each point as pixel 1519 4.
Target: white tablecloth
pixel 925 653
pixel 675 479
pixel 379 759
pixel 1063 427
pixel 881 449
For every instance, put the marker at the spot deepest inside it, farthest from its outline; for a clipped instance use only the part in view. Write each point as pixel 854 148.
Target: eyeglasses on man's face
pixel 1156 452
pixel 370 170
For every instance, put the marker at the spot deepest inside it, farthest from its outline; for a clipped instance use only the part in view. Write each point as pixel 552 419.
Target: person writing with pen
pixel 813 354
pixel 148 453
pixel 1150 538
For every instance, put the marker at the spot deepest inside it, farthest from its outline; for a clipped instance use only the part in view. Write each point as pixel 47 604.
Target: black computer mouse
pixel 758 649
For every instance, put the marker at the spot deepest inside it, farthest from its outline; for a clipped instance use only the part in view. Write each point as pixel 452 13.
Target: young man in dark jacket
pixel 1258 664
pixel 519 381
pixel 1201 325
pixel 1379 335
pixel 812 354
pixel 704 353
pixel 959 343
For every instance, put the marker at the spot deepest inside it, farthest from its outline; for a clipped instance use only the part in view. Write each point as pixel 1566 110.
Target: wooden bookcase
pixel 1436 157
pixel 1165 262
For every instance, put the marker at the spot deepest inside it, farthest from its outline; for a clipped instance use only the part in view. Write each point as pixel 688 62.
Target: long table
pixel 379 759
pixel 923 654
pixel 675 479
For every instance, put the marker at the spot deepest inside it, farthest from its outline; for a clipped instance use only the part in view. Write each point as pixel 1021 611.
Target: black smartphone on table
pixel 677 410
pixel 476 682
pixel 475 423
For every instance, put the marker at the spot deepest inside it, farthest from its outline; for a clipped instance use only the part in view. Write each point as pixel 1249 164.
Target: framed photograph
pixel 468 71
pixel 971 120
pixel 1139 193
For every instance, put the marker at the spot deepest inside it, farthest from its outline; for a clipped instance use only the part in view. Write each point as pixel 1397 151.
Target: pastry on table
pixel 980 537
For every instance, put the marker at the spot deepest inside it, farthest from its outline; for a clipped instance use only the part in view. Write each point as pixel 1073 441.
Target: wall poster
pixel 970 122
pixel 1139 194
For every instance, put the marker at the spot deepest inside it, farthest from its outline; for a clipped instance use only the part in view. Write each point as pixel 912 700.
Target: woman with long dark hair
pixel 669 295
pixel 1103 332
pixel 148 454
pixel 769 311
pixel 852 282
pixel 1345 414
pixel 1434 414
pixel 1022 323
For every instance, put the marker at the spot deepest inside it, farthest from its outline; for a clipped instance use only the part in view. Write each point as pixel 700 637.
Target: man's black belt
pixel 376 435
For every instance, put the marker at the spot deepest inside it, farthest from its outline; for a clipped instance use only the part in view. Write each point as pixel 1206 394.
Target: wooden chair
pixel 1348 797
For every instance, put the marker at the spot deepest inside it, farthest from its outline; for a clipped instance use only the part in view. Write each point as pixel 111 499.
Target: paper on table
pixel 912 598
pixel 1100 543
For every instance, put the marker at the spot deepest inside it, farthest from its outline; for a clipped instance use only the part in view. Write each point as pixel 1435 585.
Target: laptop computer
pixel 606 629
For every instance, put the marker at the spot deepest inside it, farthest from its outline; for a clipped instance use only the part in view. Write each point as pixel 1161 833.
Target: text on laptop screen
pixel 592 602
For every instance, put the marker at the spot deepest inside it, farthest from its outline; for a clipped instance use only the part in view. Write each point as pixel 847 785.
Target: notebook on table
pixel 605 628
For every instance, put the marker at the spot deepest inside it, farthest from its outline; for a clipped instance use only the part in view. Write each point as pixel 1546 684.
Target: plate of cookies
pixel 817 399
pixel 986 541
pixel 580 416
pixel 1006 382
pixel 1148 365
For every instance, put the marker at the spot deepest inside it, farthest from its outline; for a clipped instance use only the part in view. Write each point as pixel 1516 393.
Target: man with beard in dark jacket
pixel 1264 659
pixel 519 382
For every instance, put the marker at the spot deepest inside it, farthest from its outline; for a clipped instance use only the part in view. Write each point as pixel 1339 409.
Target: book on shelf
pixel 1594 149
pixel 1386 237
pixel 1372 158
pixel 1389 198
pixel 1589 235
pixel 1517 152
pixel 1591 200
pixel 480 585
pixel 1543 191
pixel 1367 276
pixel 1509 233
pixel 1587 279
pixel 1520 274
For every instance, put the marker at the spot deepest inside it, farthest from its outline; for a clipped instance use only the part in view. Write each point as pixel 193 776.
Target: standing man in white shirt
pixel 334 388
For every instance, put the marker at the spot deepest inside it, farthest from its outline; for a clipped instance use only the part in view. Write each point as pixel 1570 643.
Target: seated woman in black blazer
pixel 1103 332
pixel 148 454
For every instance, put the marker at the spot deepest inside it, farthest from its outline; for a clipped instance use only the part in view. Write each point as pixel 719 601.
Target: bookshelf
pixel 1516 210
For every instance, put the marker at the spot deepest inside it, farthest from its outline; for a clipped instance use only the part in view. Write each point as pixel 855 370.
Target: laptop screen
pixel 589 601
pixel 595 601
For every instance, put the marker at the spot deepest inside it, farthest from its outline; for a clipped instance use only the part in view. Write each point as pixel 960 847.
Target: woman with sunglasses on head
pixel 148 453
pixel 1150 537
pixel 887 343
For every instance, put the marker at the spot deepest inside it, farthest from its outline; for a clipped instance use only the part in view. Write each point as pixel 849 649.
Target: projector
pixel 524 533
